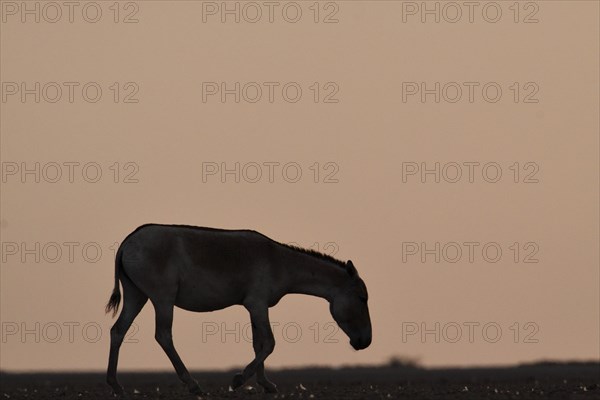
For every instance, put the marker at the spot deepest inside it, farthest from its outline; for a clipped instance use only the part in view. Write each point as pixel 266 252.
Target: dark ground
pixel 539 381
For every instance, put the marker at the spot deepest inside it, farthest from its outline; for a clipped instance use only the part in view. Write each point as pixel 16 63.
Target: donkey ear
pixel 351 269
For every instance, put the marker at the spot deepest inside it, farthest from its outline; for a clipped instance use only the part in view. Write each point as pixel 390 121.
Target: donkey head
pixel 350 310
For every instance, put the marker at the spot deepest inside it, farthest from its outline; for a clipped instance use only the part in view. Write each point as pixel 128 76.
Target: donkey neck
pixel 313 275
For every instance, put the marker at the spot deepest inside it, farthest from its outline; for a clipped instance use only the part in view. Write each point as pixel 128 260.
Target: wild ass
pixel 205 269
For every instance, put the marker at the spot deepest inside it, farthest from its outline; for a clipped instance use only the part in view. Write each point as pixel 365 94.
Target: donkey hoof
pixel 238 380
pixel 194 389
pixel 117 390
pixel 269 387
pixel 120 394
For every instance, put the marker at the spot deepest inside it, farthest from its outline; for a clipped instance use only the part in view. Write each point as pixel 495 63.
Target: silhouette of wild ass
pixel 205 269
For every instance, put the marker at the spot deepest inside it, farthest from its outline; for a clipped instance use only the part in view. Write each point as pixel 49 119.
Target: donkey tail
pixel 115 297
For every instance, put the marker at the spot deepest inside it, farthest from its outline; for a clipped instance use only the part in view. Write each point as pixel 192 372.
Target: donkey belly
pixel 201 298
pixel 202 288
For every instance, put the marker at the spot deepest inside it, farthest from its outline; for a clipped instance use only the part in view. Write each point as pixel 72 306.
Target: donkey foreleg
pixel 261 377
pixel 262 380
pixel 263 343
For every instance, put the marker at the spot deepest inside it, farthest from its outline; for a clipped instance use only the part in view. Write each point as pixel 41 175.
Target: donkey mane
pixel 316 253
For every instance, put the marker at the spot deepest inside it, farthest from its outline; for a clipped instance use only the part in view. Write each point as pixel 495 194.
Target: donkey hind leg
pixel 164 337
pixel 133 302
pixel 263 343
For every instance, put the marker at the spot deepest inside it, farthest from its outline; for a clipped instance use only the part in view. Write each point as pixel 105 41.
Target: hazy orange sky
pixel 332 144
